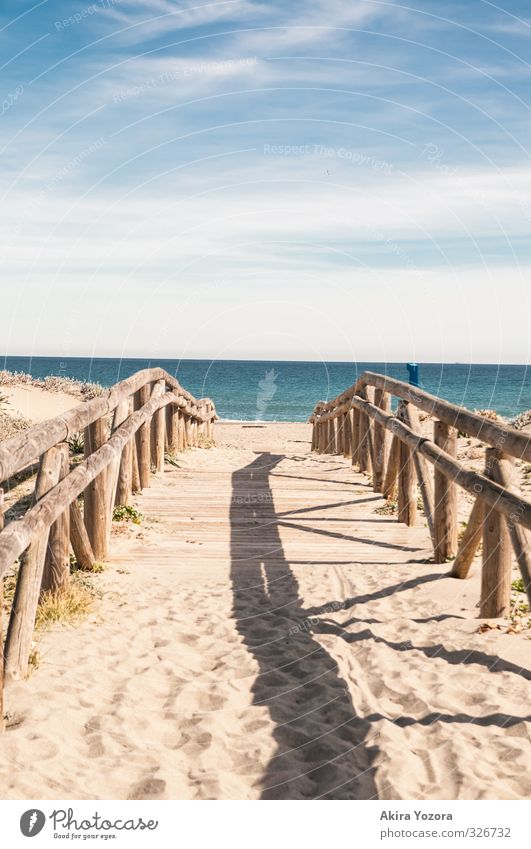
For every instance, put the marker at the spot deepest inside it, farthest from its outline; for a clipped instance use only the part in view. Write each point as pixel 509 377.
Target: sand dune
pixel 251 644
pixel 37 404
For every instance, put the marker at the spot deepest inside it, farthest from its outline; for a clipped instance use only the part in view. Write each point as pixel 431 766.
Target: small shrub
pixel 126 513
pixel 205 441
pixel 388 509
pixel 77 443
pixel 518 585
pixel 67 605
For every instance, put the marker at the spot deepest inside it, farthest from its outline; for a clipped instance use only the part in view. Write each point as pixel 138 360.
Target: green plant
pixel 77 443
pixel 518 585
pixel 127 513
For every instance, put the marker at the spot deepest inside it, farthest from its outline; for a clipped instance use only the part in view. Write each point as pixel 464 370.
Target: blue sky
pixel 306 180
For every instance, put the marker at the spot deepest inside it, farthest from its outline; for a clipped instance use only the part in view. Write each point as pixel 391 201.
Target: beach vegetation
pixel 518 585
pixel 77 443
pixel 205 441
pixel 127 513
pixel 388 509
pixel 68 604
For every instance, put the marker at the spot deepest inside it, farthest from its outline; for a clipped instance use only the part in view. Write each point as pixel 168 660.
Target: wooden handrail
pixel 502 437
pixel 355 416
pixel 148 420
pixel 24 448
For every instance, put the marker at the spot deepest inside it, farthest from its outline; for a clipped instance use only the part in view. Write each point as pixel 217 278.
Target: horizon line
pixel 65 359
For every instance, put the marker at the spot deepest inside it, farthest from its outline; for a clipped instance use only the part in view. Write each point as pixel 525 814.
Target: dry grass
pixel 53 383
pixel 388 509
pixel 68 605
pixel 10 425
pixel 205 441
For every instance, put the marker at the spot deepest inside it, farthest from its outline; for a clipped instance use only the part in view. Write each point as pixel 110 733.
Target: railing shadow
pixel 323 746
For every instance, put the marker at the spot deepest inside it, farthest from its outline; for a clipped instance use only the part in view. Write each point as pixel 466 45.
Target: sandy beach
pixel 260 646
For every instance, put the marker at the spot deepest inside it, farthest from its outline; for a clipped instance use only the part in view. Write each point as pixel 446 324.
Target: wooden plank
pixel 28 586
pixel 445 491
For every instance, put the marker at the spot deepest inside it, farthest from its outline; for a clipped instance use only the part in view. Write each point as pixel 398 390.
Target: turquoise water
pixel 287 391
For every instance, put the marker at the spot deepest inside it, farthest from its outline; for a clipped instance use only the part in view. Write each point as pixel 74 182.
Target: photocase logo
pixel 32 822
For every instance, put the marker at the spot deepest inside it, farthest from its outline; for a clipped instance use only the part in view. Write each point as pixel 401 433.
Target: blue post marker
pixel 413 370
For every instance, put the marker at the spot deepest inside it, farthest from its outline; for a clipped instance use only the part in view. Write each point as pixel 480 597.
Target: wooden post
pixel 135 474
pixel 168 429
pixel 496 570
pixel 393 465
pixel 157 430
pixel 470 541
pixel 445 509
pixel 79 539
pixel 182 431
pixel 143 439
pixel 340 433
pixel 407 487
pixel 124 486
pixel 364 451
pixel 173 433
pixel 28 586
pixel 411 418
pixel 504 473
pixel 187 431
pixel 355 436
pixel 383 400
pixel 56 573
pixel 347 432
pixel 323 437
pixel 331 445
pixel 201 426
pixel 95 497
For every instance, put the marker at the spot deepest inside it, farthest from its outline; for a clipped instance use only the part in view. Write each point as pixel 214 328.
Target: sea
pixel 276 391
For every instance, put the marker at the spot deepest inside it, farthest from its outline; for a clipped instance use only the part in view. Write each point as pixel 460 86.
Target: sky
pixel 340 180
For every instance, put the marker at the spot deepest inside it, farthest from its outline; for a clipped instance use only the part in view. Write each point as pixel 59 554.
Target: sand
pixel 36 404
pixel 189 682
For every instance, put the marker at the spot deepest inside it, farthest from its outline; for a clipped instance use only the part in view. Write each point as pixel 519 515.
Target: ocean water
pixel 250 390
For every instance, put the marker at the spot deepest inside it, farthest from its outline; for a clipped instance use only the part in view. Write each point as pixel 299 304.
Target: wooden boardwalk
pixel 304 634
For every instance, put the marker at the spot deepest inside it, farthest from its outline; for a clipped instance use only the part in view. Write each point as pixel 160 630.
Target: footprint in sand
pixel 148 788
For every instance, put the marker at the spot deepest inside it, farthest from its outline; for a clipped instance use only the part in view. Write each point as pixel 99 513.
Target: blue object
pixel 413 370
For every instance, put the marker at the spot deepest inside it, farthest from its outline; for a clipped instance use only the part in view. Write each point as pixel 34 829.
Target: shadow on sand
pixel 322 744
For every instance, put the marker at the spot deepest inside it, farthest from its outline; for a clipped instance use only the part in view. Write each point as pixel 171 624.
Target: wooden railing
pixel 127 431
pixel 356 424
